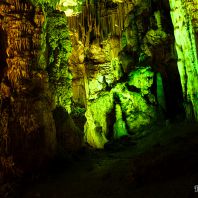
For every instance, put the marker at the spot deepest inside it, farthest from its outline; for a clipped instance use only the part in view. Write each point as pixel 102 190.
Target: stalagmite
pixel 119 126
pixel 158 19
pixel 160 92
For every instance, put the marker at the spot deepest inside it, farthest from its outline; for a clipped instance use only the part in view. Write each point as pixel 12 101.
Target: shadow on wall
pixel 69 136
pixel 172 89
pixel 3 55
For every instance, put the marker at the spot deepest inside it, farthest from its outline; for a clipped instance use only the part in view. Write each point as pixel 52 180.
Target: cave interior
pixel 98 98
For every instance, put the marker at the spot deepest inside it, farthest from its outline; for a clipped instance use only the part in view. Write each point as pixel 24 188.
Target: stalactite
pixel 160 92
pixel 158 19
pixel 98 18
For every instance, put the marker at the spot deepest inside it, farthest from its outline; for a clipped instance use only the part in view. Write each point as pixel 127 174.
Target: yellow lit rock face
pixel 69 12
pixel 69 3
pixel 118 1
pixel 70 7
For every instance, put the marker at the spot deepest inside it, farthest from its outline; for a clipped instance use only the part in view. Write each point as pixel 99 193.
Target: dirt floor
pixel 159 163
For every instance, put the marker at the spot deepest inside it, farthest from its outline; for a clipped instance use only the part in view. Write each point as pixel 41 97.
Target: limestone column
pixel 187 54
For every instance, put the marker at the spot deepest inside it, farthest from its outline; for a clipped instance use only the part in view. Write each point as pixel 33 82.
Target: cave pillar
pixel 25 99
pixel 182 15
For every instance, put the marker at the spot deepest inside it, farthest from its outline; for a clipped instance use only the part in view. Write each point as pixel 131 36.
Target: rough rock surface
pixel 27 128
pixel 138 107
pixel 59 48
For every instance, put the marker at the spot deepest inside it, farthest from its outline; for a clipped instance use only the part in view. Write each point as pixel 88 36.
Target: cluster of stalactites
pixel 23 38
pixel 97 21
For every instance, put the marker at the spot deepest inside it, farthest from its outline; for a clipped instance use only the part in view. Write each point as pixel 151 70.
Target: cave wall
pixel 185 21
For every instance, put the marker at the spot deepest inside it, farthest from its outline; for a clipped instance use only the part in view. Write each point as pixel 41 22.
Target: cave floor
pixel 161 164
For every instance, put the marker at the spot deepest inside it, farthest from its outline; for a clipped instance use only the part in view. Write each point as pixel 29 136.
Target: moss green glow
pixel 153 38
pixel 123 40
pixel 59 51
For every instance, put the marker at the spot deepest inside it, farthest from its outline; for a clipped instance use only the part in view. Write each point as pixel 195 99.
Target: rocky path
pixel 160 165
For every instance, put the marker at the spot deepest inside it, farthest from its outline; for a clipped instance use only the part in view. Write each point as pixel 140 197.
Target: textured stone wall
pixel 27 128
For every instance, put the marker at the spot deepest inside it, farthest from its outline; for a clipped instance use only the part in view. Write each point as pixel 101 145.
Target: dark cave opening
pixel 173 94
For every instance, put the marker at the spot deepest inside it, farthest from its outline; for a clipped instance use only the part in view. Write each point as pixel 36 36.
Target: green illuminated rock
pixel 141 78
pixel 119 126
pixel 138 107
pixel 160 92
pixel 96 127
pixel 185 43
